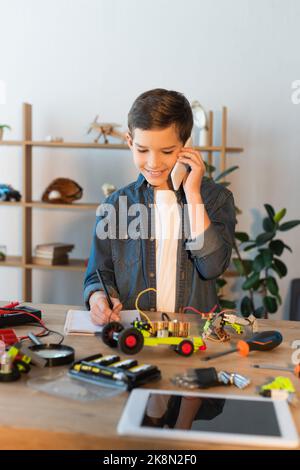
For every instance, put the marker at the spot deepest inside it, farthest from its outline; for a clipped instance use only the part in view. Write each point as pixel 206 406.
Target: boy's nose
pixel 153 161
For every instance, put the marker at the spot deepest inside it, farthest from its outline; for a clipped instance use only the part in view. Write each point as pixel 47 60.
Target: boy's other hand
pixel 100 311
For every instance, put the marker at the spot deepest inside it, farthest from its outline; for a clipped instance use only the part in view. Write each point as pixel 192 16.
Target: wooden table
pixel 34 420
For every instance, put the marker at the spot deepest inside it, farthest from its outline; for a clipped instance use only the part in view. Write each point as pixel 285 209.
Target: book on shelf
pixel 51 261
pixel 53 249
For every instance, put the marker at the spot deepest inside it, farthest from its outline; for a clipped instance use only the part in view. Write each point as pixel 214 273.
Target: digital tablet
pixel 203 417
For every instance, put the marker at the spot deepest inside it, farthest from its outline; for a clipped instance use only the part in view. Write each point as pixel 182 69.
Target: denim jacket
pixel 129 265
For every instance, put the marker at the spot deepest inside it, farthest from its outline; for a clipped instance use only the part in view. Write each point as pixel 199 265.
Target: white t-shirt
pixel 167 227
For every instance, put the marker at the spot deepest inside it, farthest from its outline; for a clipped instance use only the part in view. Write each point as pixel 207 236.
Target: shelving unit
pixel 27 205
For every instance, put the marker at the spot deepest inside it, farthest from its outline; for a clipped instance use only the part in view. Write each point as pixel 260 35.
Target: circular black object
pixel 11 376
pixel 131 341
pixel 185 348
pixel 108 333
pixel 55 354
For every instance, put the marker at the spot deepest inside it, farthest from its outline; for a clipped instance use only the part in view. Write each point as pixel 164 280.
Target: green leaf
pixel 279 267
pixel 263 260
pixel 277 247
pixel 221 282
pixel 243 267
pixel 267 256
pixel 272 285
pixel 264 238
pixel 288 225
pixel 259 312
pixel 242 236
pixel 227 303
pixel 268 225
pixel 270 304
pixel 288 248
pixel 226 172
pixel 246 306
pixel 258 263
pixel 277 217
pixel 251 282
pixel 270 211
pixel 209 168
pixel 225 183
pixel 250 247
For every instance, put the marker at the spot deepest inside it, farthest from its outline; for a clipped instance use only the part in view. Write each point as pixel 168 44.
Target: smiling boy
pixel 182 266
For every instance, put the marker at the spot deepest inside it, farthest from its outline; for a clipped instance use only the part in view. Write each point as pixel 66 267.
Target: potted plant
pixel 2 127
pixel 261 271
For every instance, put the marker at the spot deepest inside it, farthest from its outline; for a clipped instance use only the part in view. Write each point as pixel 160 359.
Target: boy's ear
pixel 129 139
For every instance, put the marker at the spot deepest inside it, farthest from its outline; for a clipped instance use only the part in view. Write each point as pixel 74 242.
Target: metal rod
pixel 214 356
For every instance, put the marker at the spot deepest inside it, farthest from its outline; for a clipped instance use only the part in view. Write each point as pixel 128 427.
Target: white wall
pixel 74 59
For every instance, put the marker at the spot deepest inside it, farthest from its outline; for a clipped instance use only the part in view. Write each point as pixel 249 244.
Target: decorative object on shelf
pixel 52 254
pixel 62 191
pixel 51 138
pixel 200 129
pixel 104 129
pixel 2 252
pixel 8 193
pixel 108 188
pixel 2 127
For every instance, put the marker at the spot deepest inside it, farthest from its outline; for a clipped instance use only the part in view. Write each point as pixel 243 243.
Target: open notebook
pixel 78 322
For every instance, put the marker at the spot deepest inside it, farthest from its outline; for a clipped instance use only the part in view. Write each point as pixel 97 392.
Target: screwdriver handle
pixel 264 341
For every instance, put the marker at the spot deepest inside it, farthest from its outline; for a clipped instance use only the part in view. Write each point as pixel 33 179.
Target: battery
pixel 122 373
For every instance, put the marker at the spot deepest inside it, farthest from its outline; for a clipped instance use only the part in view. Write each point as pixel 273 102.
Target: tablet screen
pixel 210 414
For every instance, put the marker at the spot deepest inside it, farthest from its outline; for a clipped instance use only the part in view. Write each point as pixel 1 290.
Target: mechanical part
pixel 109 333
pixel 131 341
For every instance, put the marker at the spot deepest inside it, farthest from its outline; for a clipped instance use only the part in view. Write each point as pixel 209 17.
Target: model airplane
pixel 104 129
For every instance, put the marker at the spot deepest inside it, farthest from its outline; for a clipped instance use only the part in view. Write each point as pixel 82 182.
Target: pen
pixel 111 306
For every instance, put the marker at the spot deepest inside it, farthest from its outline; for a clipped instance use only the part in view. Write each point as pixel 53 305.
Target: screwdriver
pixel 295 370
pixel 264 341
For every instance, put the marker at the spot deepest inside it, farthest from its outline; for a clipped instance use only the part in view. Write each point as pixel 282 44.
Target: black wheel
pixel 185 348
pixel 131 341
pixel 108 333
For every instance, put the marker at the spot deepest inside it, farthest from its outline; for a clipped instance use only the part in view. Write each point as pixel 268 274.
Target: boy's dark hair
pixel 158 109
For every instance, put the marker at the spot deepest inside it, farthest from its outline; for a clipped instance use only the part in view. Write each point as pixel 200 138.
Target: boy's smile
pixel 155 153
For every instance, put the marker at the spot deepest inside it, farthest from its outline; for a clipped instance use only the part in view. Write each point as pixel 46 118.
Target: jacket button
pixel 151 274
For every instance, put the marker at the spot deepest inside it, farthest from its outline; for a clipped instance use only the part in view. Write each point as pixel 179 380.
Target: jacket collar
pixel 142 180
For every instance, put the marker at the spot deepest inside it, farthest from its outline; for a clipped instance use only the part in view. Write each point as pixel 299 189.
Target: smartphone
pixel 180 170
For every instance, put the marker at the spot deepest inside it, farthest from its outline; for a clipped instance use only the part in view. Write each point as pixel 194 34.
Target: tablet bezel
pixel 131 419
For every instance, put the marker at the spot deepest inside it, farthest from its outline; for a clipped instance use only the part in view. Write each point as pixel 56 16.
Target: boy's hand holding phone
pixel 191 184
pixel 100 310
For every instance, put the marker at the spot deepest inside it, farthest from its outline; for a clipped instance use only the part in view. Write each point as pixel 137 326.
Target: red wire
pixel 12 311
pixel 198 311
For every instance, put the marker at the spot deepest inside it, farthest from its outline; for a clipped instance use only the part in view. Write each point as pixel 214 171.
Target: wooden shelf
pixel 12 261
pixel 11 203
pixel 74 265
pixel 73 206
pixel 16 261
pixel 94 145
pixel 11 142
pixel 78 145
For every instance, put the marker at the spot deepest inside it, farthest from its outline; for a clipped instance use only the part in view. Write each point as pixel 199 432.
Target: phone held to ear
pixel 180 170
